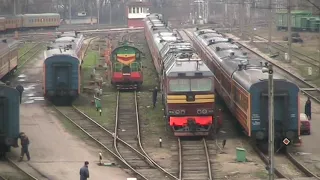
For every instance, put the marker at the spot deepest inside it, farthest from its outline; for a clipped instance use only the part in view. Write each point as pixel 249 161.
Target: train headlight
pixel 183 111
pixel 199 111
pixel 177 112
pixel 171 111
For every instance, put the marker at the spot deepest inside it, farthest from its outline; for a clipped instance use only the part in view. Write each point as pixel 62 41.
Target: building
pixel 136 12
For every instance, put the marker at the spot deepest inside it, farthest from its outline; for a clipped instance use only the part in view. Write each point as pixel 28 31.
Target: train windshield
pixel 187 85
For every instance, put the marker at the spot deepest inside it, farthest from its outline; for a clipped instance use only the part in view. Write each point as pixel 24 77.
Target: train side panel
pixel 9 113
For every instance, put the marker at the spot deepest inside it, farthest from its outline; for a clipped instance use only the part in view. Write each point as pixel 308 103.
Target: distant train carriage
pixel 28 21
pixel 8 56
pixel 62 66
pixel 243 86
pixel 126 67
pixel 9 117
pixel 46 20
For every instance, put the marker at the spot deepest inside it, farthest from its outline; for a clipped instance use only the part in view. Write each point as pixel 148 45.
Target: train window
pixel 201 84
pixel 179 85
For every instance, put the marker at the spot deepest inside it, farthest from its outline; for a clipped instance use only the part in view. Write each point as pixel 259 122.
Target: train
pixel 62 68
pixel 29 21
pixel 186 81
pixel 241 82
pixel 301 21
pixel 10 118
pixel 8 57
pixel 126 67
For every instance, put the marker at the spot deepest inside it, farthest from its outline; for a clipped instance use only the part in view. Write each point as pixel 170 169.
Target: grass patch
pixel 91 59
pixel 108 103
pixel 261 174
pixel 24 48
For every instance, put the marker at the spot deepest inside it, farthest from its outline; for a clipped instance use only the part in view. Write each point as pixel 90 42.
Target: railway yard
pixel 134 138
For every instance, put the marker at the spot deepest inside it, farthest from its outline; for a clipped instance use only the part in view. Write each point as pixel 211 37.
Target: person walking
pixel 84 171
pixel 154 96
pixel 24 146
pixel 307 108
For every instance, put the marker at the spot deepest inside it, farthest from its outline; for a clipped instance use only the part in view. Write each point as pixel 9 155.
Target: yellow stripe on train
pixel 179 99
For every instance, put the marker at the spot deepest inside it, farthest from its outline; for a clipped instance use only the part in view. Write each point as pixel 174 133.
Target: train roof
pixel 59 51
pixel 41 15
pixel 243 67
pixel 186 65
pixel 5 46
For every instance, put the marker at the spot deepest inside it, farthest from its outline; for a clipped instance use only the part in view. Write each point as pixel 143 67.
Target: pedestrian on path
pixel 154 96
pixel 24 146
pixel 307 108
pixel 84 171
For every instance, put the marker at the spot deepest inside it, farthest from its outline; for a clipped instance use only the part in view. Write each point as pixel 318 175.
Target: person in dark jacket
pixel 307 108
pixel 84 171
pixel 20 89
pixel 24 146
pixel 154 96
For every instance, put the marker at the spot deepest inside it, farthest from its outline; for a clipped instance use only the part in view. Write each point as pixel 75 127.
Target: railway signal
pixel 286 141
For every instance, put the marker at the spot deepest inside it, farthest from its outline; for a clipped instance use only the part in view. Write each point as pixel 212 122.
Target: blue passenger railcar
pixel 61 76
pixel 9 117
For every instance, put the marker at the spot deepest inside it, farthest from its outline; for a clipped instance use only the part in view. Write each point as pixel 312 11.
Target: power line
pixel 313 4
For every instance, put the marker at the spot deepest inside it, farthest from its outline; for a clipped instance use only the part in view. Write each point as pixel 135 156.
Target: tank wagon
pixel 186 82
pixel 126 67
pixel 9 118
pixel 8 56
pixel 244 88
pixel 29 21
pixel 62 67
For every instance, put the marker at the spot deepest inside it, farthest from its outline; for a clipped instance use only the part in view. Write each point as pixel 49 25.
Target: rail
pixel 15 166
pixel 195 163
pixel 127 110
pixel 289 159
pixel 33 51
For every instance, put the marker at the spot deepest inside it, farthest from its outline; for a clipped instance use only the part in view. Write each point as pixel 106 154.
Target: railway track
pixel 128 128
pixel 307 88
pixel 14 171
pixel 107 140
pixel 287 166
pixel 29 54
pixel 194 161
pixel 295 54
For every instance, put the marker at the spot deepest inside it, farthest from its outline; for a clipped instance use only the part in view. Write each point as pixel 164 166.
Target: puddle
pixel 22 80
pixel 29 95
pixel 37 98
pixel 28 102
pixel 29 88
pixel 22 76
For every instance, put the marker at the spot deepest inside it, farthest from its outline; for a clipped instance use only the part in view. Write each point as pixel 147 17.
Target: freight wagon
pixel 9 118
pixel 242 84
pixel 301 21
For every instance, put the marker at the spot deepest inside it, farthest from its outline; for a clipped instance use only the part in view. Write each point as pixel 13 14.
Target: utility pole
pixel 70 11
pixel 14 7
pixel 252 17
pixel 270 25
pixel 271 124
pixel 98 7
pixel 110 13
pixel 289 31
pixel 242 17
